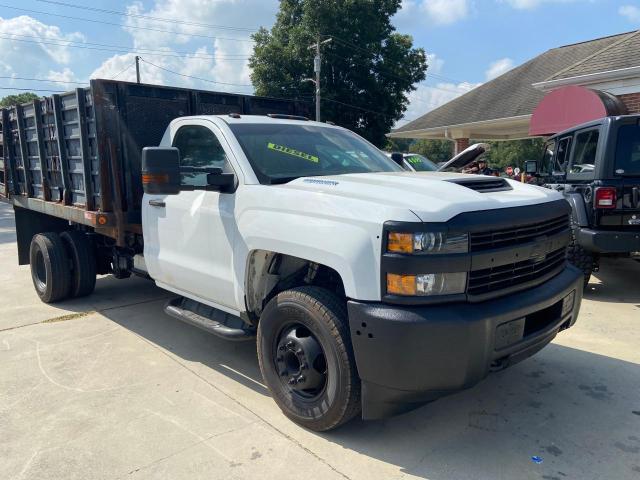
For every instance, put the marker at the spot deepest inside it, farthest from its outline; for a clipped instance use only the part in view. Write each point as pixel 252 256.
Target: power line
pixel 193 77
pixel 32 89
pixel 371 52
pixel 122 71
pixel 174 32
pixel 44 80
pixel 118 49
pixel 148 17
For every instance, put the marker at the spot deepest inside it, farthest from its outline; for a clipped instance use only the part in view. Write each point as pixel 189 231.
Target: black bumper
pixel 407 356
pixel 605 241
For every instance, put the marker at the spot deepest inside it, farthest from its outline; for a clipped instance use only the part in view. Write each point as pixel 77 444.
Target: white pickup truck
pixel 371 290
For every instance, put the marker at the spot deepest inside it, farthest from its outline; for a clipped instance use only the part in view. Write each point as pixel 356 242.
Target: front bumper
pixel 407 356
pixel 606 241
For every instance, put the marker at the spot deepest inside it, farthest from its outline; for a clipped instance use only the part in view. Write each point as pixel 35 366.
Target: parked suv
pixel 596 166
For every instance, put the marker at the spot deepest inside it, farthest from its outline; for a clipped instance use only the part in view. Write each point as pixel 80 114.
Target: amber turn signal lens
pixel 401 284
pixel 400 242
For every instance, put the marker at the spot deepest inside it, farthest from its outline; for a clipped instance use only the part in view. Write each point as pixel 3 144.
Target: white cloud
pixel 429 97
pixel 440 12
pixel 434 63
pixel 221 59
pixel 630 12
pixel 32 49
pixel 498 67
pixel 446 12
pixel 531 4
pixel 65 75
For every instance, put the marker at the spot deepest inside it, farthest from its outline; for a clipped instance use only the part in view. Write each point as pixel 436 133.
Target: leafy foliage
pixel 367 69
pixel 514 152
pixel 435 150
pixel 11 100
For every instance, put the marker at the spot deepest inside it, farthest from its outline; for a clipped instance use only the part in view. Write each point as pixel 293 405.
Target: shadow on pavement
pixel 618 280
pixel 564 405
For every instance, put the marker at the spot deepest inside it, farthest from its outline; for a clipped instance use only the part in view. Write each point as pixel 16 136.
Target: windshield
pixel 420 163
pixel 280 152
pixel 628 150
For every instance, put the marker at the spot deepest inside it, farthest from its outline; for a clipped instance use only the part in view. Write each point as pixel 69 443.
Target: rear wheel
pixel 83 260
pixel 306 358
pixel 579 257
pixel 50 267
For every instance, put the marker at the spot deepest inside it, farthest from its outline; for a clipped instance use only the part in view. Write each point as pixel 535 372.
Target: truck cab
pixel 596 166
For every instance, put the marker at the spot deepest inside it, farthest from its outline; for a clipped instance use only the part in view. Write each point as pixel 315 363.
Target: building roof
pixel 623 53
pixel 512 94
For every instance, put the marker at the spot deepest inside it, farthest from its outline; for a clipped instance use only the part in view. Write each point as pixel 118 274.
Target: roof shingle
pixel 511 94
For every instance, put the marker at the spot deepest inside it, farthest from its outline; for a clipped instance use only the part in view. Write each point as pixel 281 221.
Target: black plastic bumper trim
pixel 605 241
pixel 409 355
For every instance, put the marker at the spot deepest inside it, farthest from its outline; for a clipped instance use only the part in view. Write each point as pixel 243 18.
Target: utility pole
pixel 137 68
pixel 316 68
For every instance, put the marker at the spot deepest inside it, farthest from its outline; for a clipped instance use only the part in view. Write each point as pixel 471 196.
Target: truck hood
pixel 431 196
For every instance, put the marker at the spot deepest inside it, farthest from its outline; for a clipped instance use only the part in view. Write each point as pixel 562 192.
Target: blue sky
pixel 468 41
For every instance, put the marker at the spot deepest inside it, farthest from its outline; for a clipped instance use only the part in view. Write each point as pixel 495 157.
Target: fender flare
pixel 578 209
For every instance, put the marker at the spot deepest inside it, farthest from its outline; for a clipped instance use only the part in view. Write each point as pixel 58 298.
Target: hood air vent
pixel 484 185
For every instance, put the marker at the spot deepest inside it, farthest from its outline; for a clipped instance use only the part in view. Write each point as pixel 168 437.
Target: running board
pixel 210 319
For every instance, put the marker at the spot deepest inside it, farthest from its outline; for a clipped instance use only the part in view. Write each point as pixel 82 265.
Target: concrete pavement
pixel 110 387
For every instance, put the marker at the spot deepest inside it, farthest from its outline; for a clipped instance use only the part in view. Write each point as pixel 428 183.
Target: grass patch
pixel 71 316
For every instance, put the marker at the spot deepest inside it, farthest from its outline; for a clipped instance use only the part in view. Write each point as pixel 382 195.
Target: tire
pixel 308 318
pixel 50 267
pixel 83 263
pixel 579 257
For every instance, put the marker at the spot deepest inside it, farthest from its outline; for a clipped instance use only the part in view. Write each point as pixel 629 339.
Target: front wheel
pixel 306 358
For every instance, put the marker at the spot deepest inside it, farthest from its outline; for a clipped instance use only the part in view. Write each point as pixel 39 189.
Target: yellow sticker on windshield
pixel 293 152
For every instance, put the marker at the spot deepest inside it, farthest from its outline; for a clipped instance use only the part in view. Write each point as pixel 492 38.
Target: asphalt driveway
pixel 111 387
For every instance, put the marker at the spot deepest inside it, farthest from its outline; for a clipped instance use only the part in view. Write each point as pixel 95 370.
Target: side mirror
pixel 531 167
pixel 161 170
pixel 398 158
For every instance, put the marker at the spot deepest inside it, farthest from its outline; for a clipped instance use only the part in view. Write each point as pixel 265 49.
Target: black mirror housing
pixel 531 167
pixel 161 170
pixel 224 182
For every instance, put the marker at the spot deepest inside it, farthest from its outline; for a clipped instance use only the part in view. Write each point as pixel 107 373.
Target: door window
pixel 199 147
pixel 562 156
pixel 584 156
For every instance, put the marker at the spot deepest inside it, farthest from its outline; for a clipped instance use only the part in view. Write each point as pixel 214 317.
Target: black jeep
pixel 597 167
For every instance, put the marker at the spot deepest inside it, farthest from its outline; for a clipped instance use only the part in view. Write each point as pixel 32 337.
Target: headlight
pixel 427 242
pixel 427 284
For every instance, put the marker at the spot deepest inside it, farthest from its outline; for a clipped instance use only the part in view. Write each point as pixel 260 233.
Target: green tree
pixel 435 150
pixel 367 70
pixel 514 152
pixel 11 100
pixel 398 144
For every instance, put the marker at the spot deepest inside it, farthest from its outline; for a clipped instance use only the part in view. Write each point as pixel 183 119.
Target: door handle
pixel 636 197
pixel 157 203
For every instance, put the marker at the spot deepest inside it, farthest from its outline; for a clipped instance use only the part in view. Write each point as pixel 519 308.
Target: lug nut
pixel 292 381
pixel 290 344
pixel 300 379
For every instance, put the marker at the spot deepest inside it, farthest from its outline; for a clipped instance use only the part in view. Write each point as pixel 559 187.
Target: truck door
pixel 189 237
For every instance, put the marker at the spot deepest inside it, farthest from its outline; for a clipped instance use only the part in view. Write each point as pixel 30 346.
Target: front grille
pixel 485 185
pixel 513 274
pixel 507 237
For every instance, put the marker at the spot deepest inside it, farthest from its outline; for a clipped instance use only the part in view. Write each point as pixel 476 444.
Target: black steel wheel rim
pixel 40 271
pixel 300 362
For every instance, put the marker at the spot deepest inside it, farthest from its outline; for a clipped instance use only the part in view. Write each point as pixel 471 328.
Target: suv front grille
pixel 513 274
pixel 516 236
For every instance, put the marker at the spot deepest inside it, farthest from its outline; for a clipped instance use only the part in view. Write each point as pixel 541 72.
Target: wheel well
pixel 269 273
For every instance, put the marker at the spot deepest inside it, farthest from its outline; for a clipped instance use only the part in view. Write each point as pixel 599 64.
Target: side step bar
pixel 210 319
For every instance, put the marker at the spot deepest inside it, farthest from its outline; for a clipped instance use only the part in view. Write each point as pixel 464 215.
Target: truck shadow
pixel 553 405
pixel 616 281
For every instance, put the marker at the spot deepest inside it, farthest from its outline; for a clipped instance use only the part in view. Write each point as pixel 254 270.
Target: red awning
pixel 570 106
